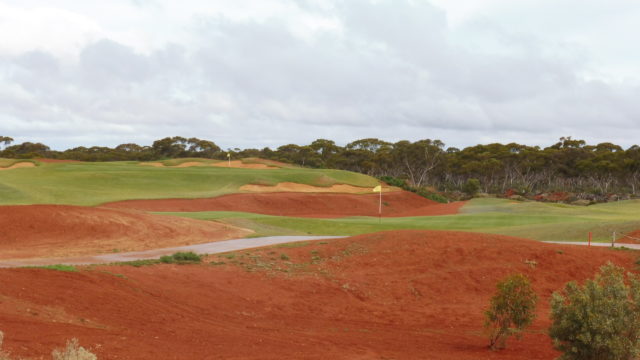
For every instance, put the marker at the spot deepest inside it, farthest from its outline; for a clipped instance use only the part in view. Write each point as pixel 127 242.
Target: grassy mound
pixel 97 183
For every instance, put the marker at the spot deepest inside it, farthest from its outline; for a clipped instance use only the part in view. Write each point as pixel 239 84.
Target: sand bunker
pixel 295 187
pixel 182 165
pixel 376 296
pixel 239 164
pixel 400 203
pixel 58 231
pixel 258 164
pixel 20 165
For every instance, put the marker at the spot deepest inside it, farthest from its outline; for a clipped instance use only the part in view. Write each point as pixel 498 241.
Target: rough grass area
pixel 538 221
pixel 96 183
pixel 57 267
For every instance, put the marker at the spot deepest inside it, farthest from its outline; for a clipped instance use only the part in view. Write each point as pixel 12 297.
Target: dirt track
pixel 399 203
pixel 33 231
pixel 393 295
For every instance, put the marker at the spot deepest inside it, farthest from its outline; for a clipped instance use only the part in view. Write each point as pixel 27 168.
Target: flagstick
pixel 380 208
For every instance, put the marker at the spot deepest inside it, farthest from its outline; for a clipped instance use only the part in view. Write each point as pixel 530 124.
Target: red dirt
pixel 399 203
pixel 391 295
pixel 633 238
pixel 32 231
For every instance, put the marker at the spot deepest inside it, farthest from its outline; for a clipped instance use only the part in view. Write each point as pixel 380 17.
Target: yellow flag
pixel 377 189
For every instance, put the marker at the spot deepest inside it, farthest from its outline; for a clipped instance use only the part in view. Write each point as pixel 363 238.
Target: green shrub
pixel 471 187
pixel 181 258
pixel 598 320
pixel 394 181
pixel 512 309
pixel 418 190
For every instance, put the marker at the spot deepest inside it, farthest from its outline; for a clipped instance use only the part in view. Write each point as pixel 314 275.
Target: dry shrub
pixel 3 354
pixel 73 351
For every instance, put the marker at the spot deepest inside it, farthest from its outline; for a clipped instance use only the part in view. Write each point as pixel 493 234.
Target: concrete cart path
pixel 206 248
pixel 584 243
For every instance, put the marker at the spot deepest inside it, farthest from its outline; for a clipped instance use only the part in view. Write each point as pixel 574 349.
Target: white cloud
pixel 265 73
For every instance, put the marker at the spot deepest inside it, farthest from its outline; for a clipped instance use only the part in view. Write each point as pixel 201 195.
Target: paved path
pixel 207 248
pixel 630 246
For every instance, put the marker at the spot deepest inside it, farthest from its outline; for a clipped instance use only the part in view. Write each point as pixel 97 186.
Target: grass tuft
pixel 57 267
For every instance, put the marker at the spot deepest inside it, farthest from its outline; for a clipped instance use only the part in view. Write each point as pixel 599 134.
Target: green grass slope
pixel 539 221
pixel 97 183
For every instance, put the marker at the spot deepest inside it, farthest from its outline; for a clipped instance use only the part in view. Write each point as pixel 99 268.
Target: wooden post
pixel 613 239
pixel 589 238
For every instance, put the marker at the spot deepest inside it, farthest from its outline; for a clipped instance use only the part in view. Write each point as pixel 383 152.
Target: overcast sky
pixel 255 73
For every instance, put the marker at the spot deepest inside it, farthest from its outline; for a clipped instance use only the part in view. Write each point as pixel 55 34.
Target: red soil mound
pixel 392 295
pixel 400 203
pixel 58 231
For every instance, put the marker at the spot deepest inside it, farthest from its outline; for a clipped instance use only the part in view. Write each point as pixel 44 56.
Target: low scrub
pixel 425 193
pixel 181 258
pixel 72 351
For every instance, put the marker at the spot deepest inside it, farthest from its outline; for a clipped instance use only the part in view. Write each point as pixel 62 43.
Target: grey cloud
pixel 392 71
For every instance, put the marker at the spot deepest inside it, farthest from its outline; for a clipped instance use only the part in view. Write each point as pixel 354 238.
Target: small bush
pixel 471 187
pixel 599 320
pixel 181 258
pixel 512 309
pixel 73 351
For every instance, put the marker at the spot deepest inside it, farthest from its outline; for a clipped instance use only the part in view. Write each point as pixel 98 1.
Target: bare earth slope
pixel 399 203
pixel 391 295
pixel 32 231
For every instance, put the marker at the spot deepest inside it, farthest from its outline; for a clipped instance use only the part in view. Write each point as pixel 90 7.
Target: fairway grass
pixel 92 184
pixel 538 221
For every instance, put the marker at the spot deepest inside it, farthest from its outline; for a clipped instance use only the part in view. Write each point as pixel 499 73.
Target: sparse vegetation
pixel 3 355
pixel 599 320
pixel 512 309
pixel 58 267
pixel 73 351
pixel 181 258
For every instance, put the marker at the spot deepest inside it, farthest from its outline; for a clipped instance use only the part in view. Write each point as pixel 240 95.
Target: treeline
pixel 570 165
